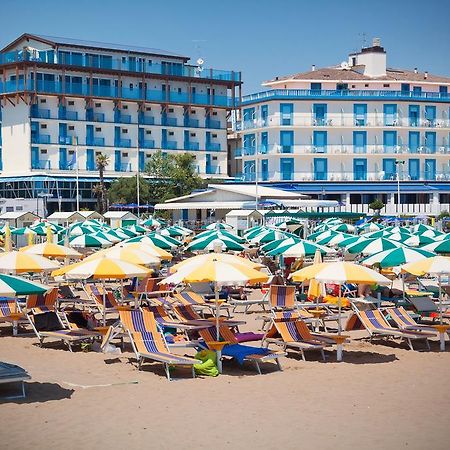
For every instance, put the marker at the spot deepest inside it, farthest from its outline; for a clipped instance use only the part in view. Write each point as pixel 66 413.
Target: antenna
pixel 363 37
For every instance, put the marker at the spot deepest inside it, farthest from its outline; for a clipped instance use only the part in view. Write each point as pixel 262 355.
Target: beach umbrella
pixel 293 226
pixel 89 241
pixel 442 237
pixel 219 272
pixel 81 230
pixel 213 241
pixel 424 240
pixel 300 250
pixel 125 232
pixel 369 227
pixel 151 222
pixel 344 228
pixel 219 234
pixel 21 262
pixel 164 242
pixel 255 229
pixel 334 240
pixel 404 238
pixel 279 242
pixel 429 233
pixel 421 228
pixel 340 272
pixel 8 242
pixel 438 247
pixel 108 235
pixel 316 289
pixel 371 246
pixel 150 248
pixel 397 229
pixel 436 266
pixel 218 226
pixel 4 227
pixel 51 250
pixel 396 257
pixel 268 236
pixel 332 221
pixel 24 231
pixel 351 240
pixel 13 286
pixel 124 252
pixel 318 236
pixel 137 229
pixel 173 232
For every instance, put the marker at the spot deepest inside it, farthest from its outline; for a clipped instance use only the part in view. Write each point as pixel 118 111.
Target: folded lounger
pixel 10 373
pixel 149 343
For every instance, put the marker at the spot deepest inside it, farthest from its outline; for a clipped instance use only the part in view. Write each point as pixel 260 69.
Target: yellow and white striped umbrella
pixel 20 262
pixel 150 249
pixel 129 254
pixel 101 268
pixel 437 265
pixel 340 272
pixel 51 250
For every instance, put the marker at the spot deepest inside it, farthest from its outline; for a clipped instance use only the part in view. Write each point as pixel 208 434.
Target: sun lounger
pixel 238 351
pixel 377 326
pixel 295 334
pixel 104 299
pixel 189 298
pixel 10 373
pixel 148 342
pixel 40 303
pixel 187 314
pixel 254 297
pixel 164 319
pixel 282 297
pixel 10 312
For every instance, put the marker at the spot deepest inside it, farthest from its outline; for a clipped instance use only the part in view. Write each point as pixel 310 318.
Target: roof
pixel 206 205
pixel 16 214
pixel 89 213
pixel 117 214
pixel 64 41
pixel 63 215
pixel 241 212
pixel 355 73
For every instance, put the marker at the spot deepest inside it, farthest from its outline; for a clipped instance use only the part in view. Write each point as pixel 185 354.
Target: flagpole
pixel 77 174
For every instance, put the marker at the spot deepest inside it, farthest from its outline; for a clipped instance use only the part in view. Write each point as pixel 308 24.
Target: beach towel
pixel 249 336
pixel 240 352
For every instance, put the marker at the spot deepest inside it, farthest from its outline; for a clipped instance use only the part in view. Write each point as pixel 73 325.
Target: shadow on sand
pixel 35 392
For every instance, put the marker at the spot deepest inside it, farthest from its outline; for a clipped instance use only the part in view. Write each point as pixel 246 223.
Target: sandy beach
pixel 381 396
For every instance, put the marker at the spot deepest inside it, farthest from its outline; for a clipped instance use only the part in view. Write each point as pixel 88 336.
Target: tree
pixel 158 168
pixel 183 174
pixel 101 162
pixel 124 190
pixel 377 205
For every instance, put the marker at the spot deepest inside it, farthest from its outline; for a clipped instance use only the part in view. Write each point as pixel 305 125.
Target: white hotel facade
pixel 60 97
pixel 348 132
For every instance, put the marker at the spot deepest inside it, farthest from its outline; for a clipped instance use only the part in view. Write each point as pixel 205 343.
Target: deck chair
pixel 254 297
pixel 40 303
pixel 282 297
pixel 164 319
pixel 238 351
pixel 424 306
pixel 295 334
pixel 10 312
pixel 103 298
pixel 148 342
pixel 189 298
pixel 377 326
pixel 187 314
pixel 10 373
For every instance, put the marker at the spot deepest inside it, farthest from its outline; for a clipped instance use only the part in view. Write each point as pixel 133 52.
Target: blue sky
pixel 259 37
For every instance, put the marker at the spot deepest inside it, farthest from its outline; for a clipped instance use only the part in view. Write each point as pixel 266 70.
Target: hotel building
pixel 350 133
pixel 64 101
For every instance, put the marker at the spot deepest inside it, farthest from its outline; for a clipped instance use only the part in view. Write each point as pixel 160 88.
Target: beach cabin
pixel 92 215
pixel 65 218
pixel 242 219
pixel 118 219
pixel 19 219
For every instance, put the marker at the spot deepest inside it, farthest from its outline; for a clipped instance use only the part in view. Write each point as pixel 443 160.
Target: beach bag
pixel 208 366
pixel 47 321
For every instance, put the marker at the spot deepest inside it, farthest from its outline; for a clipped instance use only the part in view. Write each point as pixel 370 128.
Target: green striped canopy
pixel 371 246
pixel 438 247
pixel 88 240
pixel 163 242
pixel 396 257
pixel 299 249
pixel 12 286
pixel 210 242
pixel 279 242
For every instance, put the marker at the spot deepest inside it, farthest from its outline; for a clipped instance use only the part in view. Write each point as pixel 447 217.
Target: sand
pixel 380 397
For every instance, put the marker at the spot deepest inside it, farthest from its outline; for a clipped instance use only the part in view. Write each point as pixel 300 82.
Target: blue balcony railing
pixel 122 143
pixel 96 141
pixel 146 120
pixel 40 113
pixel 299 94
pixel 68 115
pixel 212 124
pixel 191 146
pixel 213 147
pixel 147 143
pixel 41 164
pixel 65 140
pixel 95 117
pixel 123 118
pixel 190 123
pixel 107 62
pixel 40 139
pixel 169 145
pixel 169 121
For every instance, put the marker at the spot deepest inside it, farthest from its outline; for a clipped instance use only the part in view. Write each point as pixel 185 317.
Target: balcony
pixel 169 121
pixel 42 164
pixel 40 139
pixel 96 142
pixel 146 120
pixel 169 145
pixel 122 143
pixel 212 147
pixel 147 143
pixel 350 94
pixel 123 167
pixel 215 124
pixel 191 146
pixel 213 170
pixel 65 140
pixel 40 113
pixel 68 115
pixel 123 118
pixel 191 123
pixel 95 117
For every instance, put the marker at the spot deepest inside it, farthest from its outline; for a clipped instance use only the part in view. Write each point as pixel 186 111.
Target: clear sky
pixel 261 38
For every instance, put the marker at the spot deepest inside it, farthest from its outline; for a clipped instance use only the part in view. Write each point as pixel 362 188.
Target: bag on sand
pixel 208 366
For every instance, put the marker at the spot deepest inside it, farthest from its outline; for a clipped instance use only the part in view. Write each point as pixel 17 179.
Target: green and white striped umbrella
pixel 438 247
pixel 218 226
pixel 396 257
pixel 107 236
pixel 164 242
pixel 41 228
pixel 370 227
pixel 268 236
pixel 279 242
pixel 12 286
pixel 334 240
pixel 404 238
pixel 397 229
pixel 79 230
pixel 137 229
pixel 219 234
pixel 300 249
pixel 175 231
pixel 125 232
pixel 322 235
pixel 424 240
pixel 151 222
pixel 344 228
pixel 442 237
pixel 293 226
pixel 376 234
pixel 3 229
pixel 421 228
pixel 88 240
pixel 371 246
pixel 23 231
pixel 351 240
pixel 256 229
pixel 211 242
pixel 429 233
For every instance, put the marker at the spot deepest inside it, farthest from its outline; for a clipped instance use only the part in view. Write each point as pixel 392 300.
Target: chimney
pixel 425 75
pixel 415 69
pixel 313 67
pixel 376 42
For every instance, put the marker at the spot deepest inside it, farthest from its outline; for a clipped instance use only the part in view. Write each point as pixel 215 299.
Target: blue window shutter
pixel 141 161
pixel 287 168
pixel 430 141
pixel 414 169
pixel 389 141
pixel 63 158
pixel 430 169
pixel 90 163
pixel 320 169
pixel 320 141
pixel 389 169
pixel 414 141
pixel 360 141
pixel 35 157
pixel 360 169
pixel 414 115
pixel 117 160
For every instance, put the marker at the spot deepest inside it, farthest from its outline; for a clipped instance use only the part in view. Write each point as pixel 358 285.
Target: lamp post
pixel 77 172
pixel 137 178
pixel 258 123
pixel 398 163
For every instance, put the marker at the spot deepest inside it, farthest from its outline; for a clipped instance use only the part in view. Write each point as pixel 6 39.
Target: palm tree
pixel 97 191
pixel 102 162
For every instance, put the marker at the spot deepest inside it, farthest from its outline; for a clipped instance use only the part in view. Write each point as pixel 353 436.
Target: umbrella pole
pixel 339 343
pixel 218 348
pixel 104 303
pixel 441 330
pixel 403 285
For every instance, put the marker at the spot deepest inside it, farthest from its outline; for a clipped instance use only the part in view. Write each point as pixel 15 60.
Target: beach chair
pixel 282 297
pixel 149 343
pixel 254 297
pixel 187 314
pixel 41 303
pixel 234 349
pixel 10 373
pixel 295 334
pixel 189 298
pixel 377 326
pixel 103 298
pixel 164 319
pixel 10 312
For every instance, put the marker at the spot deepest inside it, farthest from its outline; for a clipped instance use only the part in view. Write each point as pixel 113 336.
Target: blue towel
pixel 239 351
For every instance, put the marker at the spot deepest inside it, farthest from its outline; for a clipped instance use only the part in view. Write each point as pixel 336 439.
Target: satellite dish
pixel 200 61
pixel 344 65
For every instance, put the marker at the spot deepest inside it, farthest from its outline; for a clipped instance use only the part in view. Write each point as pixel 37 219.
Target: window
pixel 71 127
pixel 124 59
pixel 148 108
pixel 43 100
pixel 148 132
pixel 71 103
pixel 43 126
pixel 179 90
pixel 98 153
pixel 386 85
pixel 214 113
pixel 366 85
pixel 193 135
pixel 9 208
pixel 131 86
pixel 125 106
pixel 193 111
pixel 214 158
pixel 98 105
pixel 43 151
pixel 19 208
pixel 71 152
pixel 125 155
pixel 214 135
pixel 171 133
pixel 98 130
pixel 124 131
pixel 171 110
